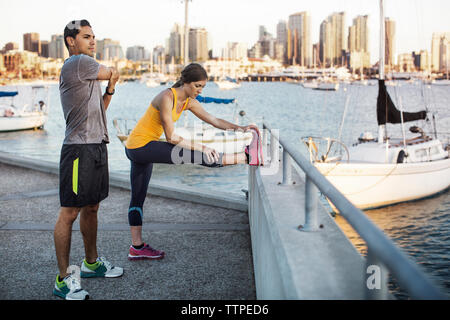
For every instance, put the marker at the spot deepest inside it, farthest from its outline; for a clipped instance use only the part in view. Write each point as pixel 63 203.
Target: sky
pixel 148 22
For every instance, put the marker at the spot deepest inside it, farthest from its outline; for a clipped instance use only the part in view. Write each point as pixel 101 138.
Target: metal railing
pixel 382 252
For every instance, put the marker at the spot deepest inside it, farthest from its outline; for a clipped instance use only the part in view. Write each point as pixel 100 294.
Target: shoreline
pixel 27 82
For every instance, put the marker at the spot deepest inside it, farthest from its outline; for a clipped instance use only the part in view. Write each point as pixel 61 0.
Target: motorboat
pixel 16 116
pixel 327 86
pixel 310 84
pixel 321 84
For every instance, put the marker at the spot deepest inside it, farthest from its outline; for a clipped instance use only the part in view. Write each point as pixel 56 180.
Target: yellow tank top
pixel 149 127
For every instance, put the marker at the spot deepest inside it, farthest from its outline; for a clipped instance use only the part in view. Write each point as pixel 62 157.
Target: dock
pixel 280 243
pixel 208 249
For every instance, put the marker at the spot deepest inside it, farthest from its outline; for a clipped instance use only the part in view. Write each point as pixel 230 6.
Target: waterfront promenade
pixel 208 249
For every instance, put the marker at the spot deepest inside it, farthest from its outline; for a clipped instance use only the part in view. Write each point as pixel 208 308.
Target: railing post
pixel 274 146
pixel 376 275
pixel 311 198
pixel 287 168
pixel 264 141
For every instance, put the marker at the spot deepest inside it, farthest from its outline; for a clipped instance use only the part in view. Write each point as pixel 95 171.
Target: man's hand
pixel 114 76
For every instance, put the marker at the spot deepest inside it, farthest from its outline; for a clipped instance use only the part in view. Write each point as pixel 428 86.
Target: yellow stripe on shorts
pixel 75 176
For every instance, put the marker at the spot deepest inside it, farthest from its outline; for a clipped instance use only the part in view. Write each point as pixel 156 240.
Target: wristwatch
pixel 106 91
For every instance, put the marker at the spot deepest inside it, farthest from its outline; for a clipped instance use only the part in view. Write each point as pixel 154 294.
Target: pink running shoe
pixel 254 149
pixel 146 252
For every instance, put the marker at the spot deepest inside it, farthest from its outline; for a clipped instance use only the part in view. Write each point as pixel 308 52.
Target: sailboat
pixel 443 82
pixel 227 83
pixel 379 172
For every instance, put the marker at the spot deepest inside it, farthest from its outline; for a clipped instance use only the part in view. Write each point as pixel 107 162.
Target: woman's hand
pixel 249 127
pixel 211 154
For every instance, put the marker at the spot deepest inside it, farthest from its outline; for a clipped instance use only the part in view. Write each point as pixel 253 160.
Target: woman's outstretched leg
pixel 234 158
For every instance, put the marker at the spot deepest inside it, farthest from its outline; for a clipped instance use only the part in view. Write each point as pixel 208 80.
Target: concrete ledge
pixel 294 264
pixel 159 188
pixel 20 226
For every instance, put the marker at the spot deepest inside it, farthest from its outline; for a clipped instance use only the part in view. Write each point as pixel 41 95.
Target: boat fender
pixel 401 156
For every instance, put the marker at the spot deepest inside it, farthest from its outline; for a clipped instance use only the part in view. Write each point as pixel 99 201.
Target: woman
pixel 143 148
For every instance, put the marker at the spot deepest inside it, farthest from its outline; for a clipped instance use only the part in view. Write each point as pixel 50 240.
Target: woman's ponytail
pixel 191 73
pixel 177 84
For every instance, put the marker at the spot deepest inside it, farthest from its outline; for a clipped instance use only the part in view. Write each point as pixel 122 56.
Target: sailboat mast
pixel 186 33
pixel 382 41
pixel 381 128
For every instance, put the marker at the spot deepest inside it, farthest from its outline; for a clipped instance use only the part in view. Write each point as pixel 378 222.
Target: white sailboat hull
pixel 442 83
pixel 30 121
pixel 328 86
pixel 310 85
pixel 371 185
pixel 227 85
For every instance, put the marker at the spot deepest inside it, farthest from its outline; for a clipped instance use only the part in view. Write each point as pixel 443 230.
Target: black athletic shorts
pixel 83 174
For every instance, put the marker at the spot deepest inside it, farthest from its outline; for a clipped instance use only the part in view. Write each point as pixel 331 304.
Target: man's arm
pixel 111 74
pixel 104 73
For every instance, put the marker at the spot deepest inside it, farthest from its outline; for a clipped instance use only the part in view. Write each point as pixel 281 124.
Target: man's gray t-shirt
pixel 82 101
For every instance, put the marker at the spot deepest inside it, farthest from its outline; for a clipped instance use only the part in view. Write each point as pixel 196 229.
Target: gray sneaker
pixel 101 268
pixel 70 289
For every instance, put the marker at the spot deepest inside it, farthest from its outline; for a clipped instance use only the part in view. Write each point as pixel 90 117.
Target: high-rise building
pixel 301 49
pixel 340 35
pixel 326 44
pixel 108 49
pixel 255 51
pixel 45 48
pixel 263 33
pixel 158 56
pixel 198 44
pixel 31 42
pixel 137 53
pixel 358 43
pixel 390 44
pixel 56 48
pixel 359 34
pixel 176 44
pixel 282 32
pixel 444 54
pixel 281 40
pixel 440 57
pixel 422 60
pixel 267 44
pixel 235 51
pixel 316 55
pixel 333 39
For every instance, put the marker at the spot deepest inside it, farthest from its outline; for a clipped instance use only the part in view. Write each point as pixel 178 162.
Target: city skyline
pixel 222 23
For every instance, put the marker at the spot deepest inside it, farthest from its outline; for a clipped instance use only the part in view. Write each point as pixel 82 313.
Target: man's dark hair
pixel 73 28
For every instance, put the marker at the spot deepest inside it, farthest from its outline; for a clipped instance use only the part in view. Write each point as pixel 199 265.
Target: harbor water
pixel 421 228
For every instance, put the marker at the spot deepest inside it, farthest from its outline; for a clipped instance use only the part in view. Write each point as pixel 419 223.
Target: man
pixel 84 178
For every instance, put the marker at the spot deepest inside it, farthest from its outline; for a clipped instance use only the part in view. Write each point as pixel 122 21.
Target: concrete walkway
pixel 208 249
